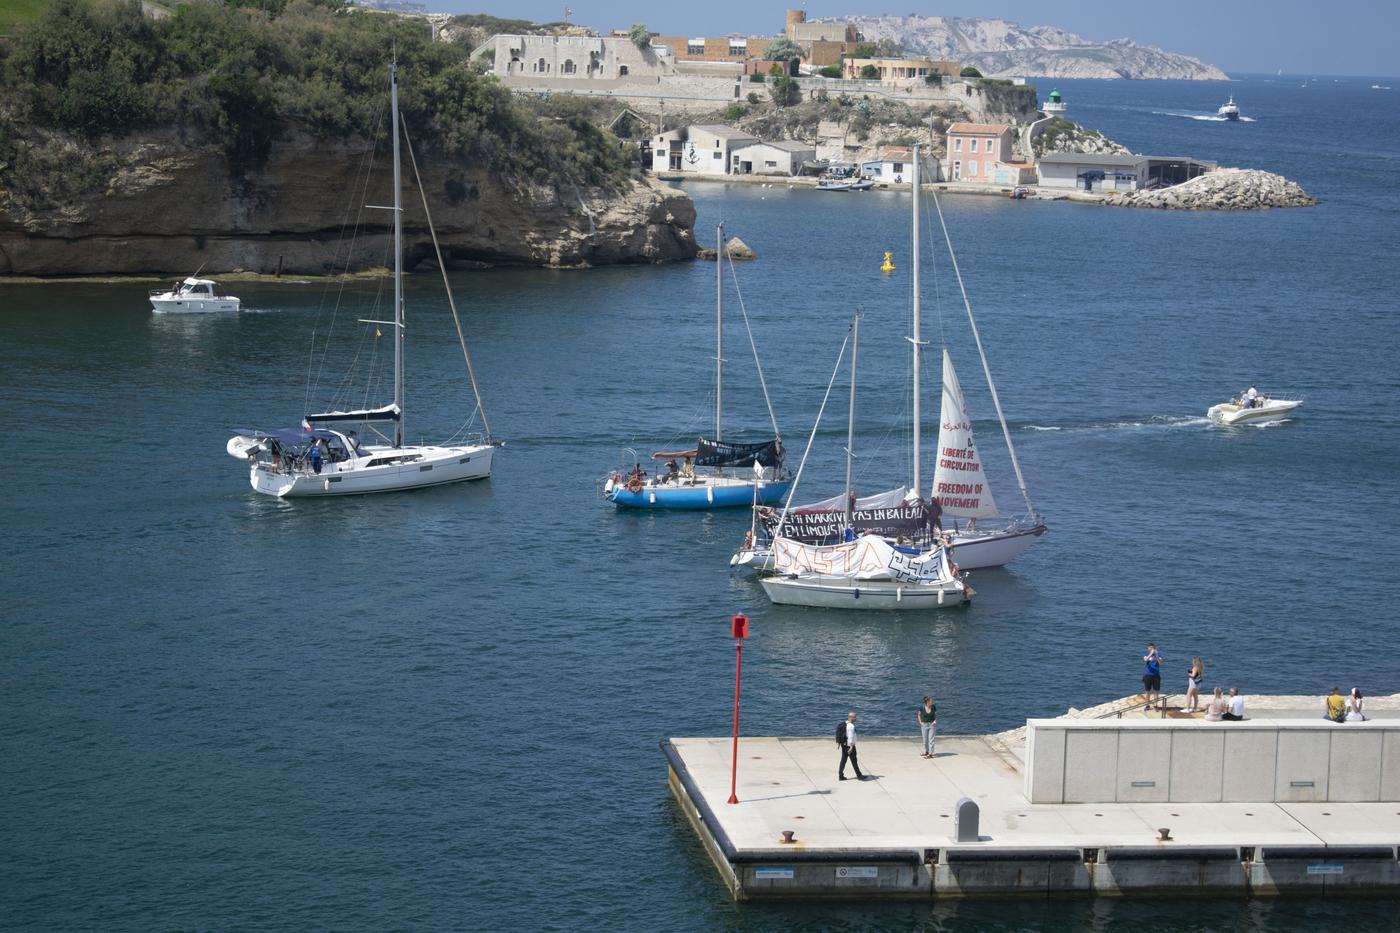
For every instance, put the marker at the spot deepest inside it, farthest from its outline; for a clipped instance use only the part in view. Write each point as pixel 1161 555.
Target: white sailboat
pixel 323 457
pixel 959 490
pixel 866 570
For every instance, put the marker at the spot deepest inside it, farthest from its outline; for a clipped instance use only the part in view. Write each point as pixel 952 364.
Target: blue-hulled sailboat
pixel 714 473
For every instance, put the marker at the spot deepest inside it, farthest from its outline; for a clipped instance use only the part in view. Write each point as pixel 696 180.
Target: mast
pixel 851 426
pixel 987 370
pixel 914 247
pixel 719 332
pixel 398 257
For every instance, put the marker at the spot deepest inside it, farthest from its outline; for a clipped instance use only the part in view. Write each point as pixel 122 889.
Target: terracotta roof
pixel 985 129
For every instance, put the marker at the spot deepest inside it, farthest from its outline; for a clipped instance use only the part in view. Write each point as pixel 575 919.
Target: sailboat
pixel 324 456
pixel 960 489
pixel 863 571
pixel 715 473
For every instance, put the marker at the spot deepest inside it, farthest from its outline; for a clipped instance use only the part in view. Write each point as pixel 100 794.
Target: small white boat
pixel 1242 411
pixel 1229 110
pixel 196 295
pixel 846 184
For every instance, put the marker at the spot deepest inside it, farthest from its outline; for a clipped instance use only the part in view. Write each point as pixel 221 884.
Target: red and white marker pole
pixel 739 629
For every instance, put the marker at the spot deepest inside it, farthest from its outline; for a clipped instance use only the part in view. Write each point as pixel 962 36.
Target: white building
pixel 781 157
pixel 1092 171
pixel 701 150
pixel 580 58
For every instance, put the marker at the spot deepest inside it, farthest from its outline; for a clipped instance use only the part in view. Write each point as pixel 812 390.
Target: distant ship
pixel 1228 110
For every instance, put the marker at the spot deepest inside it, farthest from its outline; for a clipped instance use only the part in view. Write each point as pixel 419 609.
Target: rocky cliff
pixel 155 203
pixel 997 47
pixel 1229 189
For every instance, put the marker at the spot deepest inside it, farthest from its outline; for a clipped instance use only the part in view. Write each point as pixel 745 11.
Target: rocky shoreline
pixel 159 204
pixel 1227 189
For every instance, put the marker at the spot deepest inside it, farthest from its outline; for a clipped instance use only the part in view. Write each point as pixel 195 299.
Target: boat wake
pixel 1155 421
pixel 1207 117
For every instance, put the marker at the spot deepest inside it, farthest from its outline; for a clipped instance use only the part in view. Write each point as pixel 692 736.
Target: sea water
pixel 441 709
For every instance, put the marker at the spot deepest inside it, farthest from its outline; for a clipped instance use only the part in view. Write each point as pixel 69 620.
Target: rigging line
pixel 996 401
pixel 457 321
pixel 366 170
pixel 937 286
pixel 792 492
pixel 743 311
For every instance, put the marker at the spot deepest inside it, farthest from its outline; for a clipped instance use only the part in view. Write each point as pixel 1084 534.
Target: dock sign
pixel 857 871
pixel 1326 869
pixel 767 874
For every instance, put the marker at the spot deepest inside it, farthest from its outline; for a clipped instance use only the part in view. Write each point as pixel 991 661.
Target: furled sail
pixel 765 453
pixel 358 416
pixel 959 483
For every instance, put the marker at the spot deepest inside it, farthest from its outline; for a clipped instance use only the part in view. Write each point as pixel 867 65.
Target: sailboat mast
pixel 851 426
pixel 719 332
pixel 917 346
pixel 398 257
pixel 986 369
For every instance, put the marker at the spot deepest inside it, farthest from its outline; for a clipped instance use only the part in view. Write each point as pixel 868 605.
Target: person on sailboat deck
pixel 688 469
pixel 673 471
pixel 313 456
pixel 354 438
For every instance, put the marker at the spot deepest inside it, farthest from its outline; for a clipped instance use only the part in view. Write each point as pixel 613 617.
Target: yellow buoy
pixel 888 265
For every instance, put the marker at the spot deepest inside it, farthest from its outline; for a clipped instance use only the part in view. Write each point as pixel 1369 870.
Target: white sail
pixel 959 482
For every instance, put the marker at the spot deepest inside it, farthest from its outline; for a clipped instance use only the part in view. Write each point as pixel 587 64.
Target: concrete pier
pixel 894 834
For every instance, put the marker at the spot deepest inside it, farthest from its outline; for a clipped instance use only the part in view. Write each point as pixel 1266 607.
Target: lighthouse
pixel 1054 105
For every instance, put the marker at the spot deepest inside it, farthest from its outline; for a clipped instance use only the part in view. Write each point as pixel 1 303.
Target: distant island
pixel 1000 48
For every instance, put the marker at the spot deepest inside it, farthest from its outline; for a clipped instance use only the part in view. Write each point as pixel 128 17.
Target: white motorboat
pixel 1260 410
pixel 1229 110
pixel 322 457
pixel 200 296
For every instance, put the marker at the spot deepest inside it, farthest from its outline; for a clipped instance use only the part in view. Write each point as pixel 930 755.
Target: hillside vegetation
pixel 246 72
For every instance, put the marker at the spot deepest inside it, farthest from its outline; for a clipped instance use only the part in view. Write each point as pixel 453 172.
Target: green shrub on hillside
pixel 246 73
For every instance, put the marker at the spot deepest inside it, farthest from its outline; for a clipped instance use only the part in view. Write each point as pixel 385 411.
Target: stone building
pixel 580 58
pixel 901 71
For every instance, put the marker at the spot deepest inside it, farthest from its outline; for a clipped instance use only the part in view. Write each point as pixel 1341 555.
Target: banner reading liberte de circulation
pixel 958 481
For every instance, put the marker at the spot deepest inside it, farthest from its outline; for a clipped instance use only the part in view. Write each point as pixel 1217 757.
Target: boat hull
pixel 445 465
pixel 1234 414
pixel 875 595
pixel 193 305
pixel 700 496
pixel 994 548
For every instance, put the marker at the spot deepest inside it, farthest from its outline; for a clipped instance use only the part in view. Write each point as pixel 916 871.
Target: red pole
pixel 734 764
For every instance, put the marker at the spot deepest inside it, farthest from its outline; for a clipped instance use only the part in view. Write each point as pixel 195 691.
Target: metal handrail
pixel 1144 705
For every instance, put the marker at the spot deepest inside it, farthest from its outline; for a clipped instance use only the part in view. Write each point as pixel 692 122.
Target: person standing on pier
pixel 847 738
pixel 1152 676
pixel 928 724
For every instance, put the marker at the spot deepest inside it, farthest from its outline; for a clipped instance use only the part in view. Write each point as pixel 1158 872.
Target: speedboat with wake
pixel 1257 410
pixel 1229 110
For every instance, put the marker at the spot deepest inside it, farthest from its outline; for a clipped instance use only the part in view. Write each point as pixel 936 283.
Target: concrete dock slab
pixel 894 834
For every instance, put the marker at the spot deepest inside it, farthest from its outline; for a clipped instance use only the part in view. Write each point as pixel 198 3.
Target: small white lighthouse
pixel 1054 105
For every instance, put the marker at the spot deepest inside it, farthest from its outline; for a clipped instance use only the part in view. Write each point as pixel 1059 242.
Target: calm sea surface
pixel 441 709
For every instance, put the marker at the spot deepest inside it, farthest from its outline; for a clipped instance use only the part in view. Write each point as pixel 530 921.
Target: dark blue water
pixel 440 709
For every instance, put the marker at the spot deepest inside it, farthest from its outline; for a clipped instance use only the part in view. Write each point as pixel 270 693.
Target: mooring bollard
pixel 965 819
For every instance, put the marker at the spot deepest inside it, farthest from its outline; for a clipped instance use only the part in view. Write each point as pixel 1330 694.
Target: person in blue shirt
pixel 313 455
pixel 1152 676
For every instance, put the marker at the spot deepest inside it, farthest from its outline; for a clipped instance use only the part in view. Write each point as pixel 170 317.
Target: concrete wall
pixel 1190 761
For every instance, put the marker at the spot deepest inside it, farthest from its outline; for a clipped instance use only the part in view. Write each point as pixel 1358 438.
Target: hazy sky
pixel 1355 37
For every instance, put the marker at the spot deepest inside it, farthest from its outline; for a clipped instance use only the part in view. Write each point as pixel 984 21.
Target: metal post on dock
pixel 739 629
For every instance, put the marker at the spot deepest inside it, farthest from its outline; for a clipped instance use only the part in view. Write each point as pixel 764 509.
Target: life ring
pixel 634 485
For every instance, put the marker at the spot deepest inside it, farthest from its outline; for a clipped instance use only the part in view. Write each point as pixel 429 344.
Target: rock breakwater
pixel 1228 189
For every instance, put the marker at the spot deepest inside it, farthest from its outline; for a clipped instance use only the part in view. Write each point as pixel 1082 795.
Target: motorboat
pixel 324 456
pixel 715 473
pixel 845 184
pixel 200 296
pixel 1260 410
pixel 1229 110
